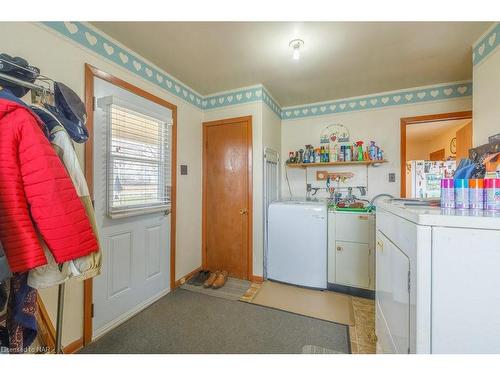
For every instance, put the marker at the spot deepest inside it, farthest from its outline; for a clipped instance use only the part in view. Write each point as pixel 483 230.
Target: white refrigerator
pixel 297 243
pixel 423 177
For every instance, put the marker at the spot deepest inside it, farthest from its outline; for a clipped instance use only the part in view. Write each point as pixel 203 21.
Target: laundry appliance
pixel 297 243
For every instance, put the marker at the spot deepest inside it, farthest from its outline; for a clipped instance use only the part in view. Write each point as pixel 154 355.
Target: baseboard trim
pixel 46 329
pixel 185 278
pixel 47 332
pixel 126 316
pixel 356 292
pixel 73 347
pixel 256 279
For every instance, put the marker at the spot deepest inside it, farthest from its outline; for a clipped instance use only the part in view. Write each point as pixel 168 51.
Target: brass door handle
pixel 243 211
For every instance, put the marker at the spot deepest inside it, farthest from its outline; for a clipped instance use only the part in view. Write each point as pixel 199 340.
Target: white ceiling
pixel 428 130
pixel 339 59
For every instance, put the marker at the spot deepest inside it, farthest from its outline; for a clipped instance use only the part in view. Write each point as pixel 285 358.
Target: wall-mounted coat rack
pixel 41 92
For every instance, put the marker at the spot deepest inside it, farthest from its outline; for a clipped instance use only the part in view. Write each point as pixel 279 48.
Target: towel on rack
pixel 21 313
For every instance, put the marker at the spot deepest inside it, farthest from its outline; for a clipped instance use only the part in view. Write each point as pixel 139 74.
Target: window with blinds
pixel 138 161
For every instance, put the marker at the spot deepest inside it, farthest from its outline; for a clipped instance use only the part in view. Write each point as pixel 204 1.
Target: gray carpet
pixel 189 322
pixel 233 289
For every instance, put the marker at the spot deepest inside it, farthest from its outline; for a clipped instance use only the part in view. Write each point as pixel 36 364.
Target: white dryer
pixel 297 243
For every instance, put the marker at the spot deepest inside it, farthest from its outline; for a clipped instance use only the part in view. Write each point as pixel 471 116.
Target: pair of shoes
pixel 216 280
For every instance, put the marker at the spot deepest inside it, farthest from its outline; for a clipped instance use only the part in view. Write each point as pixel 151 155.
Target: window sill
pixel 138 212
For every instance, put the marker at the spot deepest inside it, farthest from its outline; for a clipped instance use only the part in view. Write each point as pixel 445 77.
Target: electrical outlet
pixel 392 177
pixel 184 170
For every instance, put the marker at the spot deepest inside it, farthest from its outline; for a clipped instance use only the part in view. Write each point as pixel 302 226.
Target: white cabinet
pixel 352 264
pixel 351 261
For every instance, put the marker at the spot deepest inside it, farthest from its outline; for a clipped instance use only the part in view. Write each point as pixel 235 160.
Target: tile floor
pixel 363 332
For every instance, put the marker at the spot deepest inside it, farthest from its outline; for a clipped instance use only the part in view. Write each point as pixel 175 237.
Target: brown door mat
pixel 325 305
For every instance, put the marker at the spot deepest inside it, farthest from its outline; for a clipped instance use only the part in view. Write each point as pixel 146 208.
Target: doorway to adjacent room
pixel 440 137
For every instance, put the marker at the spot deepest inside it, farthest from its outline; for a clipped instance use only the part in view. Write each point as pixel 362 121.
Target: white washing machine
pixel 297 243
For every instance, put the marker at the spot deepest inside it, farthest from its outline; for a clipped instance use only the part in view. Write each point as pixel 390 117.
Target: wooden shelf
pixel 335 163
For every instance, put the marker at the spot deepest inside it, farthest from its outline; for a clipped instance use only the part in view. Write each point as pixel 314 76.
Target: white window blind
pixel 138 160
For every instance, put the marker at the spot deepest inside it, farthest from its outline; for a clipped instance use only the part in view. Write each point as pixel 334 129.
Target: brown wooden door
pixel 464 141
pixel 437 155
pixel 227 196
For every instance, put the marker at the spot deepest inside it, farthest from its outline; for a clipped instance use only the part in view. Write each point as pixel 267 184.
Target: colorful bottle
pixel 476 194
pixel 335 153
pixel 372 151
pixel 461 193
pixel 348 153
pixel 492 194
pixel 447 193
pixel 359 145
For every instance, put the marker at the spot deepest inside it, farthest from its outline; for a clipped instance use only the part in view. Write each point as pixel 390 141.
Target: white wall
pixel 486 94
pixel 381 126
pixel 64 61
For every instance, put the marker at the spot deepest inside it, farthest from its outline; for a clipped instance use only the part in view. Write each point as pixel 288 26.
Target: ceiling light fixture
pixel 296 44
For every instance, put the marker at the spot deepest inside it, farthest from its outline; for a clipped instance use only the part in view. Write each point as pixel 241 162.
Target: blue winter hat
pixel 76 130
pixel 70 104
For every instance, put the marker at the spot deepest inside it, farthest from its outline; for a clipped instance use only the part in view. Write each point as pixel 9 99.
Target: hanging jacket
pixel 35 190
pixel 21 314
pixel 80 268
pixel 4 266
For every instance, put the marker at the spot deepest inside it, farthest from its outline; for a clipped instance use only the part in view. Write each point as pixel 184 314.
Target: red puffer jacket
pixel 36 192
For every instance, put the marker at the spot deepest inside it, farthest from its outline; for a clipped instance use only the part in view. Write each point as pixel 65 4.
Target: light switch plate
pixel 184 169
pixel 392 177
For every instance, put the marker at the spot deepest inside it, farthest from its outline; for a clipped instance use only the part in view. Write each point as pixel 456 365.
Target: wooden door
pixel 464 142
pixel 227 196
pixel 438 155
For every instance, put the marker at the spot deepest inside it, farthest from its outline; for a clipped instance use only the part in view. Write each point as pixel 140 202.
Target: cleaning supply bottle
pixel 372 151
pixel 348 153
pixel 359 145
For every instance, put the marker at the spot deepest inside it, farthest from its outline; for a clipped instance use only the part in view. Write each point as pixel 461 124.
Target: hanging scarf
pixel 21 313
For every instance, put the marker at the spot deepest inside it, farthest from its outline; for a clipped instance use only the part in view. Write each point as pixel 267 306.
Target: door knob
pixel 380 245
pixel 243 211
pixel 339 248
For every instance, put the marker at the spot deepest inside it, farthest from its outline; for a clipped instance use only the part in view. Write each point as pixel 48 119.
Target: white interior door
pixel 135 249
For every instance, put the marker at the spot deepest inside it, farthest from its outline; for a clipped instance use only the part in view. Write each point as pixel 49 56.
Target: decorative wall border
pixel 241 96
pixel 382 100
pixel 486 44
pixel 98 42
pixel 110 50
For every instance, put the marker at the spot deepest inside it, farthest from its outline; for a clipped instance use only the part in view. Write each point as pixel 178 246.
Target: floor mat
pixel 233 290
pixel 314 349
pixel 187 322
pixel 331 306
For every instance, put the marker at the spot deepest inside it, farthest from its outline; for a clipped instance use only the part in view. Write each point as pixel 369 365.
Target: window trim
pixel 135 210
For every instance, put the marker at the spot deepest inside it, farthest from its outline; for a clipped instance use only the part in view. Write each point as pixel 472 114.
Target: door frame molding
pixel 405 121
pixel 92 72
pixel 207 124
